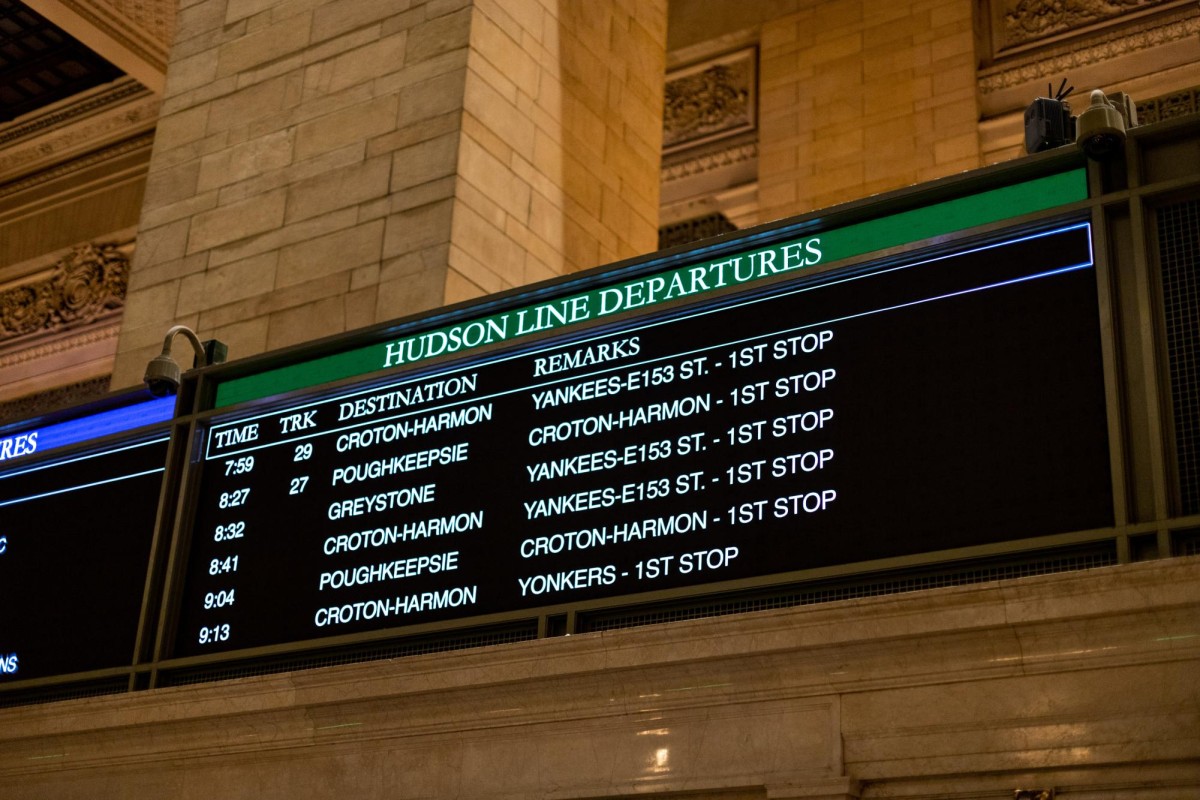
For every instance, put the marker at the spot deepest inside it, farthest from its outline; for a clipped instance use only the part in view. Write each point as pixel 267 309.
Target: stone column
pixel 321 167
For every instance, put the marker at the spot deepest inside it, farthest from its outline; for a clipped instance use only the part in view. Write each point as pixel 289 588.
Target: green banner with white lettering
pixel 692 281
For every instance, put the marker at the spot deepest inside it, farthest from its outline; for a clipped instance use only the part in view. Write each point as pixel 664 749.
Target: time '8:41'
pixel 220 566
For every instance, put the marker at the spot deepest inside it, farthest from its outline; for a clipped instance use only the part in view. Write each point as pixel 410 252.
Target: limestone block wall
pixel 860 97
pixel 319 167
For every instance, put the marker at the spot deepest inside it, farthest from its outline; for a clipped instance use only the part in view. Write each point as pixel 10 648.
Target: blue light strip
pixel 38 466
pixel 35 441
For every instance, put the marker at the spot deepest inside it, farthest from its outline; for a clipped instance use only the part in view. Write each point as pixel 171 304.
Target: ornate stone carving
pixel 1027 20
pixel 1176 104
pixel 89 282
pixel 708 100
pixel 1061 60
pixel 86 284
pixel 25 309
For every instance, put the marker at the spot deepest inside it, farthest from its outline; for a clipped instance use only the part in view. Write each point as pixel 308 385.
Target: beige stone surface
pixel 239 220
pixel 357 123
pixel 335 252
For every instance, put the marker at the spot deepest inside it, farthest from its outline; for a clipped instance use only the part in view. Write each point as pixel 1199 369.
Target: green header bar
pixel 695 280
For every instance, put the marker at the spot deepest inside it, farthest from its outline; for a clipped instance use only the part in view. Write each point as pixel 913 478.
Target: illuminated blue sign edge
pixel 38 440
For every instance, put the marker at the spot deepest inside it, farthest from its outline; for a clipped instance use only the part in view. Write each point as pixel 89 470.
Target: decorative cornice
pixel 69 111
pixel 48 349
pixel 1107 46
pixel 144 27
pixel 142 142
pixel 67 132
pixel 86 284
pixel 82 338
pixel 708 161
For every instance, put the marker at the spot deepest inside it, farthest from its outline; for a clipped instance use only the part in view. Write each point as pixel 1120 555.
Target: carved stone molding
pixel 144 27
pixel 64 131
pixel 86 284
pixel 77 107
pixel 713 99
pixel 708 160
pixel 143 142
pixel 38 350
pixel 710 137
pixel 1110 44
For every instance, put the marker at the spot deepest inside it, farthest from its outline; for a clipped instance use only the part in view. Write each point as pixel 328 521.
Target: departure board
pixel 76 525
pixel 907 407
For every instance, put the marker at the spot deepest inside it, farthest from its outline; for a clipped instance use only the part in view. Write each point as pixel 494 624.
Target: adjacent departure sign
pixel 904 408
pixel 75 532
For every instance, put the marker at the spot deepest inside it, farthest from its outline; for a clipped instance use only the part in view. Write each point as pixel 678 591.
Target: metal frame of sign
pixel 929 220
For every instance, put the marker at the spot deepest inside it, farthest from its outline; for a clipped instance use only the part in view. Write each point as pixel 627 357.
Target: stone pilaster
pixel 318 168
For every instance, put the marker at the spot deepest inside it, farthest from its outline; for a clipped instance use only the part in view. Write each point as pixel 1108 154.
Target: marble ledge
pixel 1170 782
pixel 1121 616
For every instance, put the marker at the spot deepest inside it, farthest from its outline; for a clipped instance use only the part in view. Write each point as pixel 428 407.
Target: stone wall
pixel 321 167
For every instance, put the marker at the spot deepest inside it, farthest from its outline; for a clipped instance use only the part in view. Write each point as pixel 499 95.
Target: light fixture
pixel 163 373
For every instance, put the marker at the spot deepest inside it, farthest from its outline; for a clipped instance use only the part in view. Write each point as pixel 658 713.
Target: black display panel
pixel 75 538
pixel 901 409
